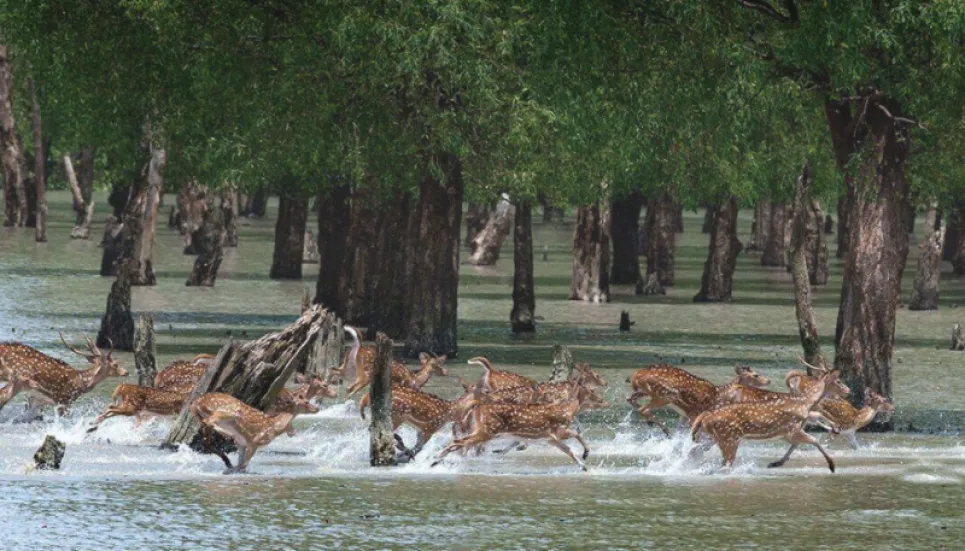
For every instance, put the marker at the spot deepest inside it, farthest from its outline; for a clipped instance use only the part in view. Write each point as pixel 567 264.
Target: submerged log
pixel 50 455
pixel 562 363
pixel 591 254
pixel 924 295
pixel 254 372
pixel 522 317
pixel 381 437
pixel 488 242
pixel 117 325
pixel 145 351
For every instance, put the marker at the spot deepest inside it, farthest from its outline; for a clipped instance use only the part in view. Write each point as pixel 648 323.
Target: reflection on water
pixel 117 490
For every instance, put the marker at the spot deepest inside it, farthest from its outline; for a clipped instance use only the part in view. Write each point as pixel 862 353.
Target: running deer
pixel 292 401
pixel 426 412
pixel 781 418
pixel 54 382
pixel 364 361
pixel 493 379
pixel 689 395
pixel 797 382
pixel 15 383
pixel 182 375
pixel 141 403
pixel 533 421
pixel 244 425
pixel 555 392
pixel 849 419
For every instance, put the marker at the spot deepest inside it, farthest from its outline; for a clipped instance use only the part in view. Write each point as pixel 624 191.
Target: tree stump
pixel 924 295
pixel 958 340
pixel 256 371
pixel 488 242
pixel 651 287
pixel 591 254
pixel 145 351
pixel 522 317
pixel 625 322
pixel 562 363
pixel 382 438
pixel 207 243
pixel 50 455
pixel 117 325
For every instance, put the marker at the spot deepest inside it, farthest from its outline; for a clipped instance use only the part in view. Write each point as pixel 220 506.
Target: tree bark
pixel 117 325
pixel 562 363
pixel 591 254
pixel 145 351
pixel 924 295
pixel 40 173
pixel 958 257
pixel 289 238
pixel 954 232
pixel 662 240
pixel 625 234
pixel 208 242
pixel 678 214
pixel 708 224
pixel 192 202
pixel 333 227
pixel 11 154
pixel 144 240
pixel 381 436
pixel 476 217
pixel 717 283
pixel 877 249
pixel 817 247
pixel 229 215
pixel 773 254
pixel 432 276
pixel 256 371
pixel 800 272
pixel 258 203
pixel 761 227
pixel 522 317
pixel 488 242
pixel 83 201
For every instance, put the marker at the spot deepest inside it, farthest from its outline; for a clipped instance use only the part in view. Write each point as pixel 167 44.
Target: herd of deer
pixel 499 403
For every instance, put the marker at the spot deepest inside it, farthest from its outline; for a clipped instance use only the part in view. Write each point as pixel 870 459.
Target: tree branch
pixel 760 5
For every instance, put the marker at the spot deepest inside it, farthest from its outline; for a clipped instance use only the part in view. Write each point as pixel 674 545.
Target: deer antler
pixel 822 369
pixel 70 347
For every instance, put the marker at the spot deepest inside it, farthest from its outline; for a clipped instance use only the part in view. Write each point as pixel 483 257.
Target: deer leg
pixel 206 432
pixel 647 413
pixel 462 443
pixel 554 440
pixel 816 418
pixel 801 437
pixel 563 434
pixel 784 459
pixel 512 446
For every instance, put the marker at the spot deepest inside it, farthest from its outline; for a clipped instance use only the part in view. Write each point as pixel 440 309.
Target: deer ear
pixel 739 369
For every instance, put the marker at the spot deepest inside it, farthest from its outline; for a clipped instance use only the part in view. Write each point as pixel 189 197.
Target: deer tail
pixel 698 424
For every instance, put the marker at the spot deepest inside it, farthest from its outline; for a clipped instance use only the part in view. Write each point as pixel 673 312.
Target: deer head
pixel 877 402
pixel 434 364
pixel 748 377
pixel 316 387
pixel 104 362
pixel 833 386
pixel 592 377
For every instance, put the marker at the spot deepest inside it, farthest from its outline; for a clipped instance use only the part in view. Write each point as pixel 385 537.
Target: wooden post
pixel 145 351
pixel 382 448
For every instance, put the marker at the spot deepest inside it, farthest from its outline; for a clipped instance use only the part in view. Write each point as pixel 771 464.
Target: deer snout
pixel 121 372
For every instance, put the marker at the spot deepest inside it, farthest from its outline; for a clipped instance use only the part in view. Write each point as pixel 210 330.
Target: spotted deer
pixel 849 419
pixel 781 418
pixel 527 421
pixel 689 395
pixel 493 379
pixel 401 375
pixel 292 401
pixel 15 383
pixel 141 403
pixel 244 425
pixel 426 412
pixel 53 382
pixel 182 375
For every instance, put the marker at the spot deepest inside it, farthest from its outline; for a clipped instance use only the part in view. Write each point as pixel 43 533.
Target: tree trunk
pixel 708 225
pixel 117 325
pixel 625 234
pixel 333 228
pixel 954 233
pixel 15 197
pixel 381 436
pixel 591 254
pixel 817 247
pixel 662 240
pixel 289 238
pixel 258 203
pixel 643 236
pixel 476 218
pixel 192 202
pixel 524 301
pixel 958 339
pixel 488 242
pixel 762 225
pixel 717 282
pixel 678 214
pixel 924 296
pixel 30 186
pixel 432 276
pixel 145 351
pixel 800 272
pixel 562 363
pixel 958 258
pixel 773 254
pixel 256 371
pixel 229 215
pixel 144 241
pixel 40 173
pixel 83 201
pixel 208 243
pixel 877 249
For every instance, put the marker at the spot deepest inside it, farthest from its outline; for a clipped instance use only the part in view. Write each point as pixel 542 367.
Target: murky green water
pixel 315 490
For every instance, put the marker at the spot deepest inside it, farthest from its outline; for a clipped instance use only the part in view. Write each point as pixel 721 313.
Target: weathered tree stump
pixel 488 242
pixel 145 351
pixel 562 363
pixel 286 262
pixel 717 282
pixel 924 295
pixel 625 322
pixel 591 254
pixel 381 436
pixel 256 371
pixel 117 325
pixel 522 317
pixel 50 455
pixel 958 340
pixel 773 254
pixel 651 287
pixel 207 243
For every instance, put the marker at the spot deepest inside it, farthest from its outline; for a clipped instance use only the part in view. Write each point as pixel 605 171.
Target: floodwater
pixel 315 490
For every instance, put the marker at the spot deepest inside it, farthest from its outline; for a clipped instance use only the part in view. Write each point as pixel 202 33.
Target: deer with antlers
pixel 363 358
pixel 527 421
pixel 780 418
pixel 689 395
pixel 244 425
pixel 53 382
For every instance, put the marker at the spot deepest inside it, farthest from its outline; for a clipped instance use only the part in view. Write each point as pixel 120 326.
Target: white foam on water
pixel 926 478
